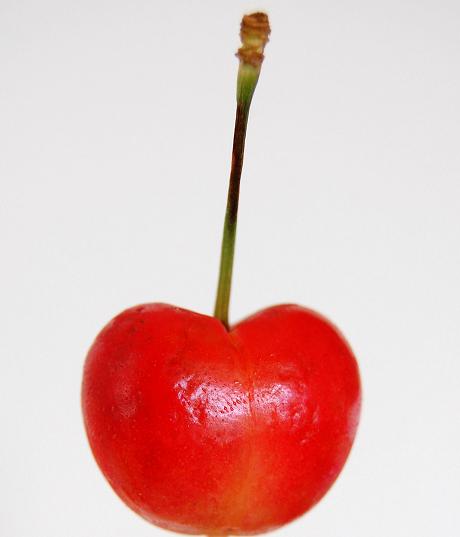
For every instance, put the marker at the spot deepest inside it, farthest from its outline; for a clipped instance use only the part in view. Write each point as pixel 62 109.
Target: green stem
pixel 247 81
pixel 255 30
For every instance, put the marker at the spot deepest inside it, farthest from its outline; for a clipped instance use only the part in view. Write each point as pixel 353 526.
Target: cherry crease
pixel 203 430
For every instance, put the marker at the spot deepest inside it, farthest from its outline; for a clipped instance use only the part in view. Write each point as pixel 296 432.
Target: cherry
pixel 205 428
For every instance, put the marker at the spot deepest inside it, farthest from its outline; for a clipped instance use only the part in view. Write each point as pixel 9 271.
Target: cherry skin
pixel 202 430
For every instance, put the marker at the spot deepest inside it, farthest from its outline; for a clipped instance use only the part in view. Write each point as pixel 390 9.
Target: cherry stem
pixel 254 35
pixel 231 217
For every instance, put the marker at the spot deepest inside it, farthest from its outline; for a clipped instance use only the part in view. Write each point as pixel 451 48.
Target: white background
pixel 116 124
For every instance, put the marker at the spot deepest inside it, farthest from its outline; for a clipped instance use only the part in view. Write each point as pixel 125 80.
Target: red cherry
pixel 203 430
pixel 200 428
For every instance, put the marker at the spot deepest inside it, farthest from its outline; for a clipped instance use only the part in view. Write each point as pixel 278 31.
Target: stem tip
pixel 255 29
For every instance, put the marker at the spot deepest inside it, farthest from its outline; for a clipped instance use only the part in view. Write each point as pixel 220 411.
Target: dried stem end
pixel 255 30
